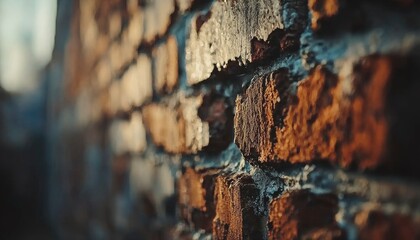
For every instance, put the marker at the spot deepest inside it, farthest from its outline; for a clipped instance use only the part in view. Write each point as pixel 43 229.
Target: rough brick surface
pixel 304 215
pixel 196 197
pixel 236 217
pixel 341 119
pixel 235 119
pixel 238 24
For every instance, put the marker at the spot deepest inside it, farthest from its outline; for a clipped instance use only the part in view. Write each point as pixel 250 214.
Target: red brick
pixel 343 120
pixel 301 214
pixel 236 202
pixel 196 197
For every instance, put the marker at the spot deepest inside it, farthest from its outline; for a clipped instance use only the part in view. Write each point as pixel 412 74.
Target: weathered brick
pixel 236 197
pixel 191 124
pixel 166 66
pixel 196 197
pixel 301 214
pixel 345 120
pixel 256 112
pixel 225 33
pixel 375 225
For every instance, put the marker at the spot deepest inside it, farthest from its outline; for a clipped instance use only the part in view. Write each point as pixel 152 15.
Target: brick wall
pixel 235 119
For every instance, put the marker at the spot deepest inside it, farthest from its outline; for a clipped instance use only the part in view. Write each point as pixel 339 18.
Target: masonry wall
pixel 235 119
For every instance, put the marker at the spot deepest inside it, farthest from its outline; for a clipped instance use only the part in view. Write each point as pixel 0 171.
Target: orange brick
pixel 196 197
pixel 332 118
pixel 301 214
pixel 236 200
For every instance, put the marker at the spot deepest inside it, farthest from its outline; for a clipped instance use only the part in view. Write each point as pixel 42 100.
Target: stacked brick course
pixel 238 119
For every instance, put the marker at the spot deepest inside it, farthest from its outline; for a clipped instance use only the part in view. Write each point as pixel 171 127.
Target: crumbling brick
pixel 236 198
pixel 196 197
pixel 375 225
pixel 233 30
pixel 343 120
pixel 301 214
pixel 256 112
pixel 278 42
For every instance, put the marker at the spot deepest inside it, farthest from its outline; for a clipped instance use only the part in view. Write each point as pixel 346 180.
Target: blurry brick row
pixel 111 34
pixel 145 75
pixel 190 124
pixel 118 27
pixel 134 87
pixel 132 22
pixel 228 206
pixel 354 119
pixel 142 201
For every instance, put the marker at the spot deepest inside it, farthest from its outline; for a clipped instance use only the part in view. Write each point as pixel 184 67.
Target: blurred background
pixel 27 30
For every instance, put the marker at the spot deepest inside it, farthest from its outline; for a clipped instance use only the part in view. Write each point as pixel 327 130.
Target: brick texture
pixel 235 119
pixel 236 217
pixel 341 119
pixel 297 215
